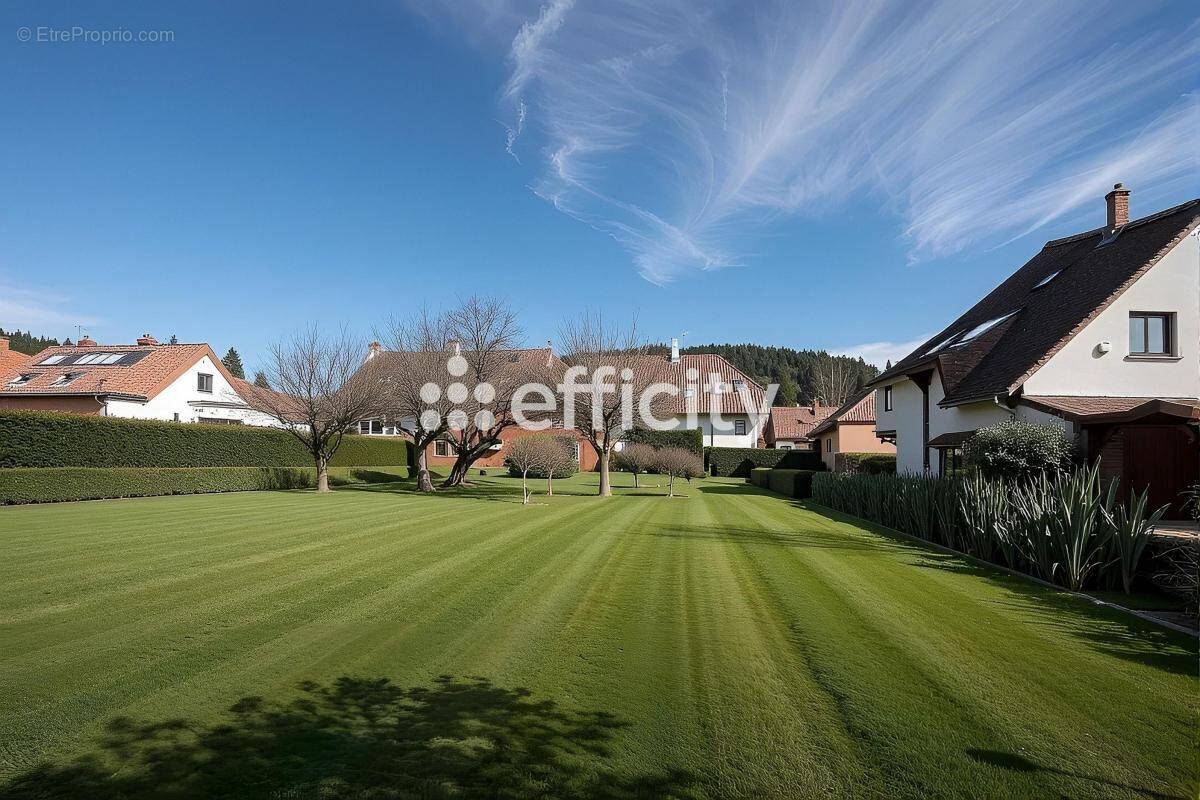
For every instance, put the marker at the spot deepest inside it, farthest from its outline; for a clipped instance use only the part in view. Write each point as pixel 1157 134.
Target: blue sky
pixel 844 175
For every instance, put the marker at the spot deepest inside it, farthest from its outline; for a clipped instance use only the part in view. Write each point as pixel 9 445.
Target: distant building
pixel 790 427
pixel 850 429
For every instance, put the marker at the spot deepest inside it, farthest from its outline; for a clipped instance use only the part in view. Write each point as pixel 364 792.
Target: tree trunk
pixel 525 486
pixel 550 483
pixel 605 484
pixel 424 484
pixel 322 474
pixel 635 479
pixel 671 486
pixel 458 473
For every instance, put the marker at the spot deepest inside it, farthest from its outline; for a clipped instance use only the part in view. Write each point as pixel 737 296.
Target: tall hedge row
pixel 47 439
pixel 60 484
pixel 736 462
pixel 687 439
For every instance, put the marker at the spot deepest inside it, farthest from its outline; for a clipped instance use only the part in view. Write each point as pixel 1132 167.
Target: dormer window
pixel 66 379
pixel 22 379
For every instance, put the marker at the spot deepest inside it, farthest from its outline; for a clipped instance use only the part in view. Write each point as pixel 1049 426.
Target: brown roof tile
pixel 859 408
pixel 141 379
pixel 1085 277
pixel 796 422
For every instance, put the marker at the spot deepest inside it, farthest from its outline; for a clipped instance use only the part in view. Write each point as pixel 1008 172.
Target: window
pixel 22 379
pixel 575 451
pixel 203 382
pixel 441 447
pixel 1151 334
pixel 829 445
pixel 218 421
pixel 737 385
pixel 66 378
pixel 176 416
pixel 99 358
pixel 739 427
pixel 1047 279
pixel 887 398
pixel 981 329
pixel 364 426
pixel 951 462
pixel 51 360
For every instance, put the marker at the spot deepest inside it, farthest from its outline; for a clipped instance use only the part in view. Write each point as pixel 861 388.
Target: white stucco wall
pixel 175 399
pixel 727 438
pixel 1171 285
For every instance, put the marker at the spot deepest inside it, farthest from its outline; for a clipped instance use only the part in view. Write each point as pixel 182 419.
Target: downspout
pixel 1003 406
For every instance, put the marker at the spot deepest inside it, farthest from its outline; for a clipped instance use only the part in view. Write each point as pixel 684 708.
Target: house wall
pixel 85 404
pixel 1171 285
pixel 176 399
pixel 906 420
pixel 727 438
pixel 587 455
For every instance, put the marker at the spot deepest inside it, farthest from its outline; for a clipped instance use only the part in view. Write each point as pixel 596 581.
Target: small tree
pixel 788 391
pixel 260 380
pixel 321 392
pixel 636 458
pixel 1019 450
pixel 233 363
pixel 534 455
pixel 676 462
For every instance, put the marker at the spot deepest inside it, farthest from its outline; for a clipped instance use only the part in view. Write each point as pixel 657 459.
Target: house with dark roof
pixel 1098 333
pixel 850 429
pixel 790 427
pixel 146 380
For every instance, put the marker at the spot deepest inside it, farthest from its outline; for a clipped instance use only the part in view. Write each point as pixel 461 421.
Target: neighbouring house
pixel 850 429
pixel 790 427
pixel 11 360
pixel 705 382
pixel 147 380
pixel 1098 333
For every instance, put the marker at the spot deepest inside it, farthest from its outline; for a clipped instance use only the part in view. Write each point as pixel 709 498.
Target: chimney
pixel 373 349
pixel 549 352
pixel 674 350
pixel 455 346
pixel 3 342
pixel 146 340
pixel 86 341
pixel 1118 206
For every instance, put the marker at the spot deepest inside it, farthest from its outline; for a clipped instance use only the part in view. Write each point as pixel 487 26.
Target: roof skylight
pixel 982 328
pixel 100 358
pixel 52 360
pixel 22 379
pixel 66 378
pixel 1047 279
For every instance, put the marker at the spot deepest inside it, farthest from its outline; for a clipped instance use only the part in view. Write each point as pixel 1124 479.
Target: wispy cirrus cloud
pixel 42 313
pixel 879 353
pixel 685 128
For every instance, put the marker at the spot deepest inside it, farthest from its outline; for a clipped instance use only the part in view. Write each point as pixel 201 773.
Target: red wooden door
pixel 1164 457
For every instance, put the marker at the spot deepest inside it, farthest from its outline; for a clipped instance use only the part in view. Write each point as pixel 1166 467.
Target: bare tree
pixel 416 371
pixel 833 380
pixel 488 337
pixel 636 458
pixel 321 391
pixel 616 358
pixel 536 455
pixel 678 462
pixel 559 461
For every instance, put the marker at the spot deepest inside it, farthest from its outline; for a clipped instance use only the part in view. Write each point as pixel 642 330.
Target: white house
pixel 147 380
pixel 1098 333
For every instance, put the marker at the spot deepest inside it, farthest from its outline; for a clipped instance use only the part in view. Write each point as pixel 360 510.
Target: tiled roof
pixel 859 408
pixel 710 370
pixel 11 360
pixel 1081 408
pixel 1084 277
pixel 142 379
pixel 796 422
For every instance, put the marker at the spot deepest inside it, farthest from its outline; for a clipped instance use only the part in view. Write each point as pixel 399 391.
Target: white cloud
pixel 41 313
pixel 879 353
pixel 683 128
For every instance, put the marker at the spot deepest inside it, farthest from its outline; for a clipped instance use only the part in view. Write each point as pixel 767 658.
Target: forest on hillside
pixel 26 342
pixel 803 375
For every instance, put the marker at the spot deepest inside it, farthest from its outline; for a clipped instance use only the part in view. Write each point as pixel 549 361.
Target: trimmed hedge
pixel 687 439
pixel 60 484
pixel 760 476
pixel 48 439
pixel 791 482
pixel 865 463
pixel 736 462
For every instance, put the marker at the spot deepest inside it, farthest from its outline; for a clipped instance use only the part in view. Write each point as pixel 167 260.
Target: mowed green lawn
pixel 731 643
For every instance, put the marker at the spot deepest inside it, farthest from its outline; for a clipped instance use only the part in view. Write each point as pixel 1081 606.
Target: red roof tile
pixel 860 408
pixel 795 422
pixel 141 379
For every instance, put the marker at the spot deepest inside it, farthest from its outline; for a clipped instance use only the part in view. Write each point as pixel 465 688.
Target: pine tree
pixel 233 363
pixel 260 380
pixel 788 391
pixel 25 342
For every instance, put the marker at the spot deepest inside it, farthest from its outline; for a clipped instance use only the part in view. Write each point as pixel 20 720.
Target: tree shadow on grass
pixel 355 738
pixel 791 538
pixel 1014 762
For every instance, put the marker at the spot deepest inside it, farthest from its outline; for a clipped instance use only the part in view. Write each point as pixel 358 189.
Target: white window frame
pixel 887 398
pixel 441 445
pixel 200 382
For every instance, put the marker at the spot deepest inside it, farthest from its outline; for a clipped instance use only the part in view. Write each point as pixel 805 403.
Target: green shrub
pixel 48 439
pixel 791 482
pixel 867 463
pixel 1019 450
pixel 687 439
pixel 760 476
pixel 736 462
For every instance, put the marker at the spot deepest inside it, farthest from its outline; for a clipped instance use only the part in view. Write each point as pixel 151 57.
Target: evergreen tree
pixel 25 342
pixel 233 363
pixel 260 380
pixel 788 391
